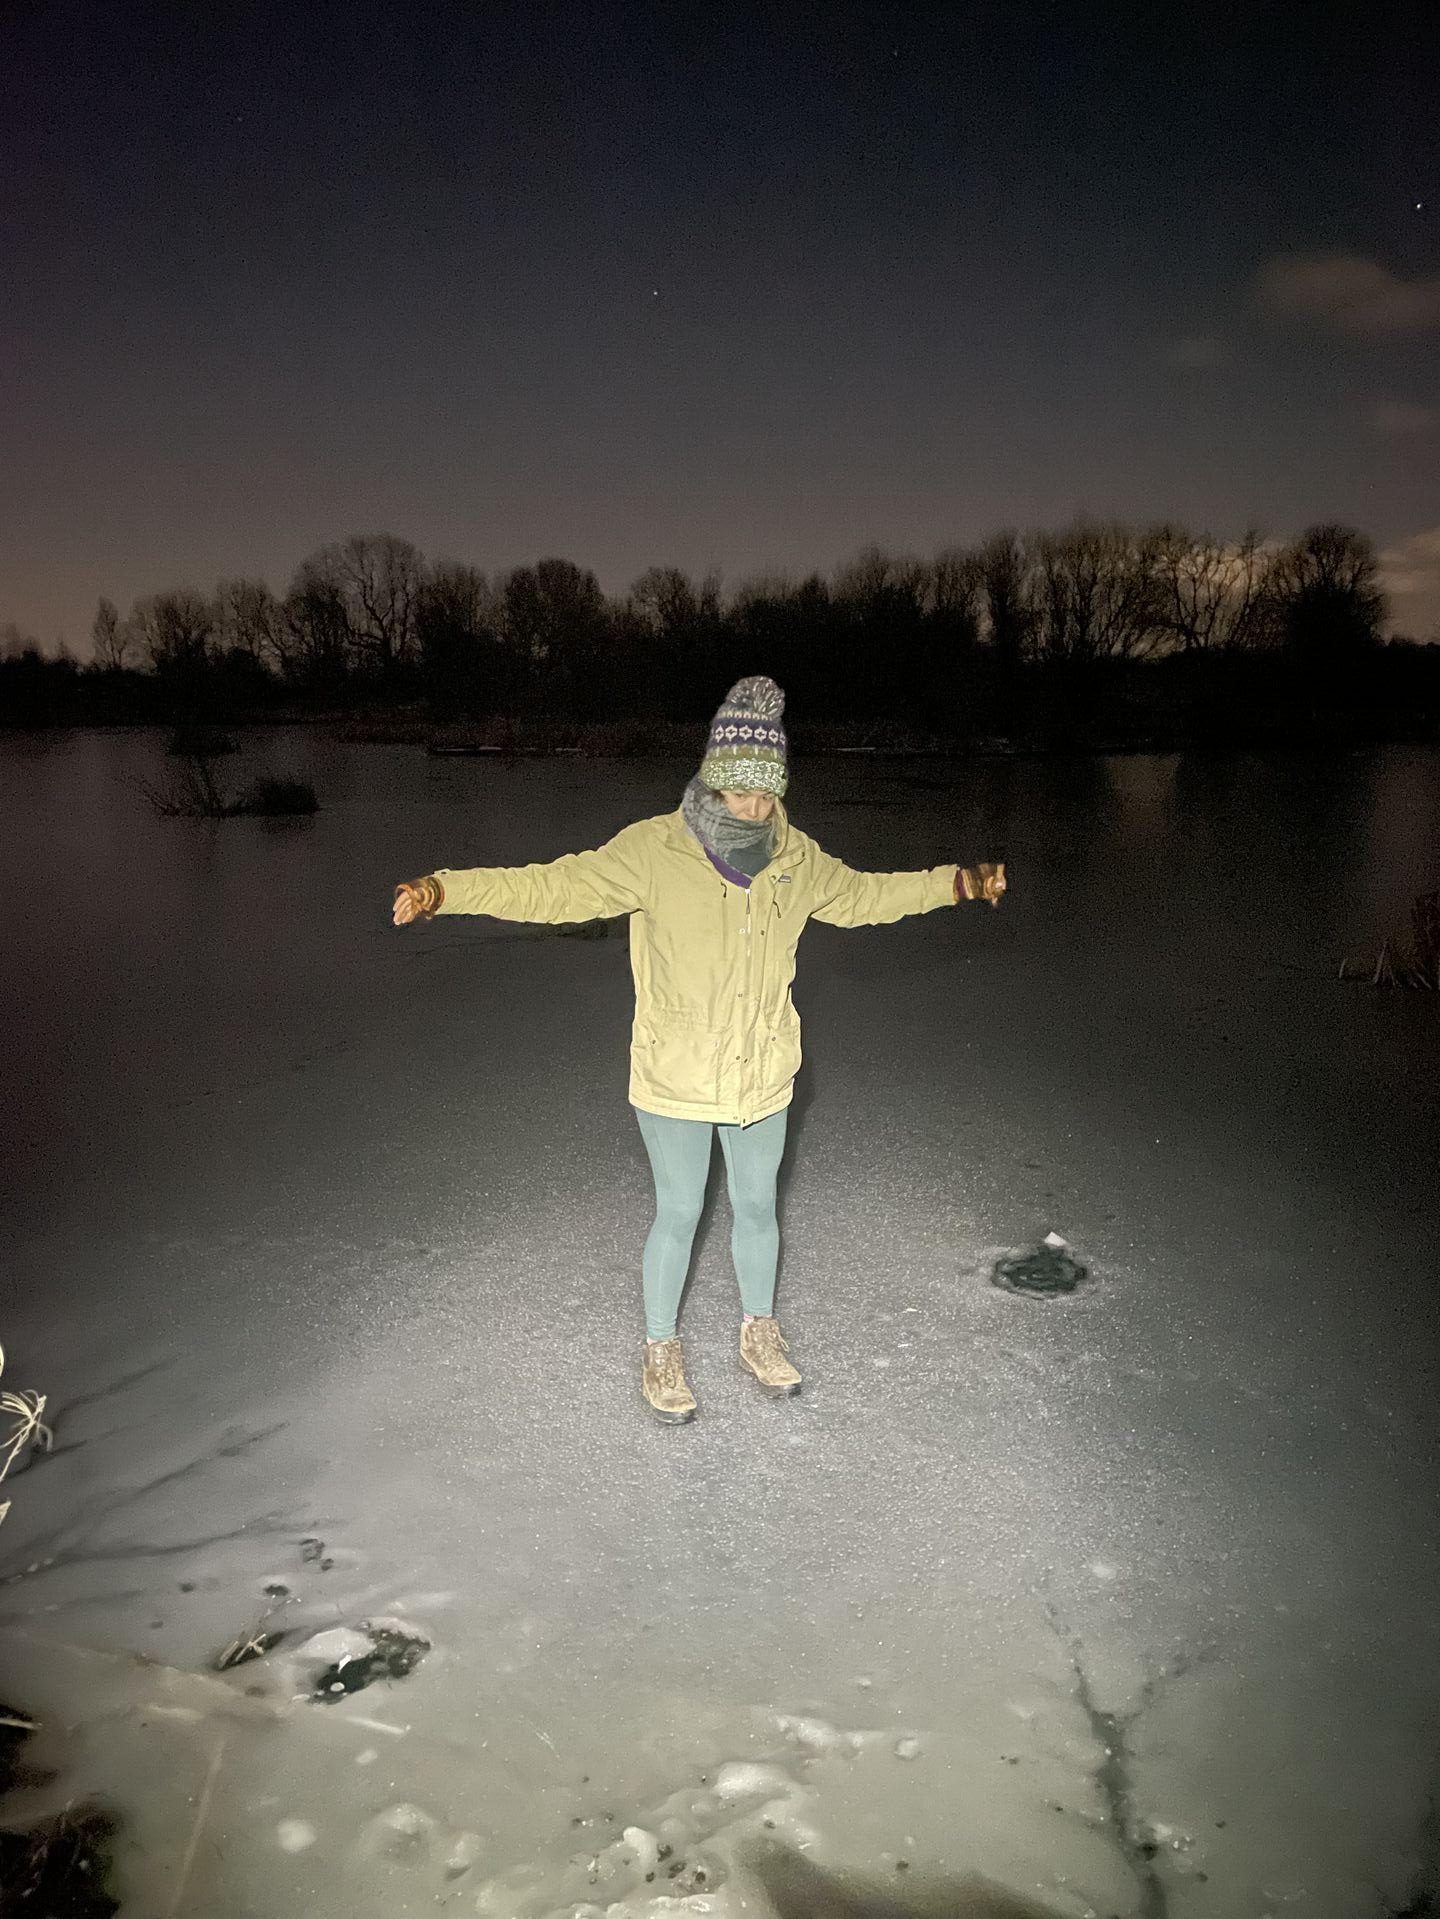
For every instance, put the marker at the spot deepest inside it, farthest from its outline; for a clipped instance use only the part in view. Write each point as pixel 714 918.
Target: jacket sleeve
pixel 597 885
pixel 847 898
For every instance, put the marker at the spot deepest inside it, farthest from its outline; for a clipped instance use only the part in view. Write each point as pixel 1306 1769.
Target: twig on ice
pixel 201 1814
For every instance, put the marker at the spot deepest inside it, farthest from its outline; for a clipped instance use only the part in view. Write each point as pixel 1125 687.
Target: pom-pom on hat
pixel 746 749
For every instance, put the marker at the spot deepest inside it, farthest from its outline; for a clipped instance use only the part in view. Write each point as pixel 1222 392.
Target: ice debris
pixel 331 1665
pixel 815 1735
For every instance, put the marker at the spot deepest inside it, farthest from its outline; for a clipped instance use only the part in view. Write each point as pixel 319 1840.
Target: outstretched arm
pixel 593 885
pixel 850 898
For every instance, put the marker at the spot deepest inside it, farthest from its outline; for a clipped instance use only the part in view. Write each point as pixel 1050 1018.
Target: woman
pixel 718 894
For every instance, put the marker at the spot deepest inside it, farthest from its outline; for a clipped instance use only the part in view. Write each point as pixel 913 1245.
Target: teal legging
pixel 679 1152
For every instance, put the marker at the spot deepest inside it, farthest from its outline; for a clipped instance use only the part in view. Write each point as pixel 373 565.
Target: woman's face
pixel 749 806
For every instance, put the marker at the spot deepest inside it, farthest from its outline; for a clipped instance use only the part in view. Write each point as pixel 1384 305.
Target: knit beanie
pixel 746 749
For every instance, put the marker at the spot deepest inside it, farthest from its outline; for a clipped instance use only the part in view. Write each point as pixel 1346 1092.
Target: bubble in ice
pixel 463 1850
pixel 818 1735
pixel 401 1831
pixel 908 1747
pixel 295 1835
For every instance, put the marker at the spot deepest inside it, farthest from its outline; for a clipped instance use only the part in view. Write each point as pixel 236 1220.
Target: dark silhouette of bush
pixel 1327 602
pixel 276 799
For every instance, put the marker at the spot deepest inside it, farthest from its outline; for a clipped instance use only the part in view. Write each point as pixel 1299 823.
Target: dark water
pixel 152 960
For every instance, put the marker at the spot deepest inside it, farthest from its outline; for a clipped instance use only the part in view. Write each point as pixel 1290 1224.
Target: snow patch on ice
pixel 740 1780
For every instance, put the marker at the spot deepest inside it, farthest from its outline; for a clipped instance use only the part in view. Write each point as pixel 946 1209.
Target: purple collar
pixel 726 870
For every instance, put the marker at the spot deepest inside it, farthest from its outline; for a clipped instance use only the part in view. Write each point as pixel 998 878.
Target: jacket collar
pixel 787 841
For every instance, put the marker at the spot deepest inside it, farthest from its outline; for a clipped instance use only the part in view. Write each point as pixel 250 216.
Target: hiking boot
pixel 663 1382
pixel 763 1351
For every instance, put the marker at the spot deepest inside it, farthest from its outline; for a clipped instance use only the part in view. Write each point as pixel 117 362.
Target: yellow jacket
pixel 716 1035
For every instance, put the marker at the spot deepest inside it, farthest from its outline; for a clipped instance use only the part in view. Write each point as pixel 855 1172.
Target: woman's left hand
pixel 983 882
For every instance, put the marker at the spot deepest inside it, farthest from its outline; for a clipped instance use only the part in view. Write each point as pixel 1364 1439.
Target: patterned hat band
pixel 729 734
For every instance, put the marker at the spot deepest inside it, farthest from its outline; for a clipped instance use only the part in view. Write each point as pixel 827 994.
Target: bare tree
pixel 1212 595
pixel 377 577
pixel 881 585
pixel 249 620
pixel 669 604
pixel 110 637
pixel 457 618
pixel 15 645
pixel 459 594
pixel 551 608
pixel 682 626
pixel 316 642
pixel 1326 591
pixel 1096 593
pixel 174 630
pixel 1005 589
pixel 557 620
pixel 952 586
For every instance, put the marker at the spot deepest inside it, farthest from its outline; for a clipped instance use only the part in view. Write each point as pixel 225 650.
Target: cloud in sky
pixel 1349 293
pixel 1410 574
pixel 1197 350
pixel 1401 419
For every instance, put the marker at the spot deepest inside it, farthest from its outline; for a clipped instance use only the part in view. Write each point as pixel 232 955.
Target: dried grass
pixel 1417 964
pixel 59 1868
pixel 27 1410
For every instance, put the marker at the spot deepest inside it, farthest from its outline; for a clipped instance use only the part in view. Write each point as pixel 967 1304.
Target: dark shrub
pixel 277 798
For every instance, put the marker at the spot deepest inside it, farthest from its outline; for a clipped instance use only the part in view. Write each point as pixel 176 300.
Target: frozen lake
pixel 324 1240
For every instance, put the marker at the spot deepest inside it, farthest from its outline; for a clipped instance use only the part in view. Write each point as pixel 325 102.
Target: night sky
pixel 718 287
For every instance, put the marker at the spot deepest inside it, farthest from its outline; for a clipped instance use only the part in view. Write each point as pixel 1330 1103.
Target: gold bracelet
pixel 429 895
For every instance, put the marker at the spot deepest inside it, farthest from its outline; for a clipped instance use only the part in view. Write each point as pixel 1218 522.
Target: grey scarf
pixel 743 844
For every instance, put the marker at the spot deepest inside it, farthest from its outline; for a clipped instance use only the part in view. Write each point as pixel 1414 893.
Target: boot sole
pixel 775 1392
pixel 670 1419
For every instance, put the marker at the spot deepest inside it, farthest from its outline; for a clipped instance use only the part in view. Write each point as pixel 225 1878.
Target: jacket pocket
pixel 677 1059
pixel 782 1049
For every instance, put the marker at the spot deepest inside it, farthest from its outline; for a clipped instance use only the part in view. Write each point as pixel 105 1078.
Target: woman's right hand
pixel 417 899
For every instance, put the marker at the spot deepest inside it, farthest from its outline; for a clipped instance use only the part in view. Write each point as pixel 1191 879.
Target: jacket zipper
pixel 748 1036
pixel 749 996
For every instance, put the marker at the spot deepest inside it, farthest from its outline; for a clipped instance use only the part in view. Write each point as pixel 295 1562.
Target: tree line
pixel 1018 624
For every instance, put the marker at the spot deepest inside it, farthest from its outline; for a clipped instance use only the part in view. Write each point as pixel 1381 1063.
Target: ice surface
pixel 323 1240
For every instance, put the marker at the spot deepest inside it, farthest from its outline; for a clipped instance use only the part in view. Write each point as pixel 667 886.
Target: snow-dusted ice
pixel 323 1240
